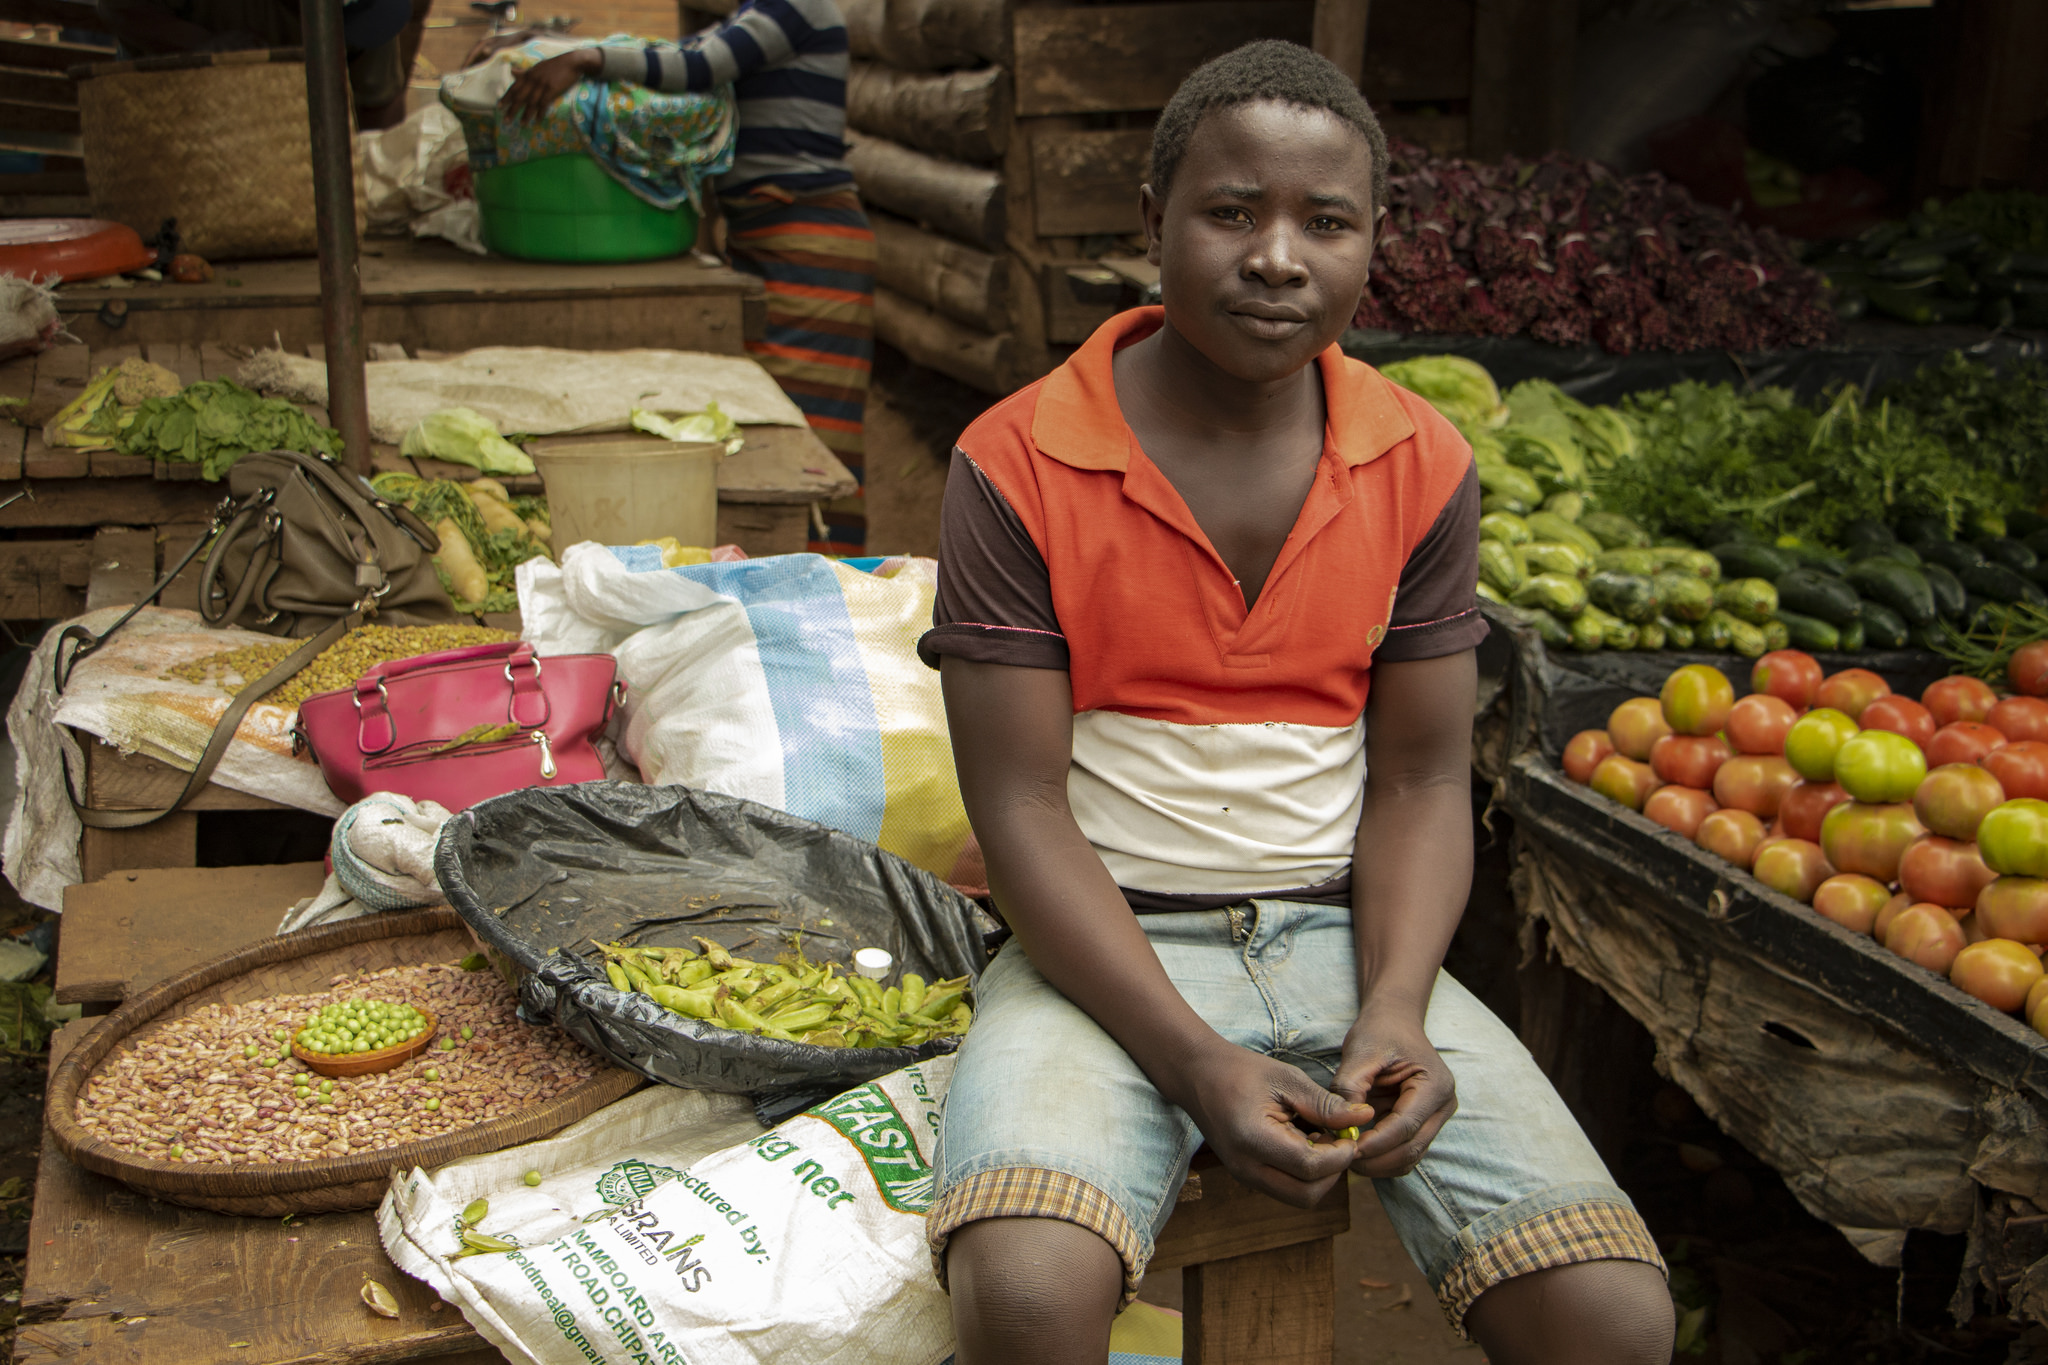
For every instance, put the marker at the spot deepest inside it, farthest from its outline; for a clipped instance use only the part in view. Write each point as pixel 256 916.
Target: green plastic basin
pixel 565 208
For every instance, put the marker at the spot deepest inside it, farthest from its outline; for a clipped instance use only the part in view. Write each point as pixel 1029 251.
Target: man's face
pixel 1264 242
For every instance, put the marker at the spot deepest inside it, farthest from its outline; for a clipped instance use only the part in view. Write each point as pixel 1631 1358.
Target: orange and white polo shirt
pixel 1219 754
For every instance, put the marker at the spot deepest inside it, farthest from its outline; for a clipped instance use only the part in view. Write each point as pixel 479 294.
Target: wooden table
pixel 113 1275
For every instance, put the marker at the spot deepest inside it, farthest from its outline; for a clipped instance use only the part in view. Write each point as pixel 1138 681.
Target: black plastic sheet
pixel 1871 354
pixel 539 874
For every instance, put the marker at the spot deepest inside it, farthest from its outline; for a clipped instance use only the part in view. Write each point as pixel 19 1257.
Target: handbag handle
pixel 528 706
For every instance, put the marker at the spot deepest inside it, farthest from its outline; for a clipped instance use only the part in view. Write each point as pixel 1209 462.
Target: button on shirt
pixel 1219 753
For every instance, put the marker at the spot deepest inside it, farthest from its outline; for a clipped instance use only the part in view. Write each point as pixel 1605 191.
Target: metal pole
pixel 334 209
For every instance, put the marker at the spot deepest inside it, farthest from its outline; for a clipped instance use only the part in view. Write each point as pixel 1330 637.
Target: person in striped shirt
pixel 793 216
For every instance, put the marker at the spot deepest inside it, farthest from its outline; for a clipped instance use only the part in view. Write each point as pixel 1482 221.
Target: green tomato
pixel 1879 767
pixel 1814 739
pixel 2013 838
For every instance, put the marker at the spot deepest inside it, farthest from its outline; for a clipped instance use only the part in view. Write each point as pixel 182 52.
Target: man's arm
pixel 1409 881
pixel 1012 732
pixel 761 36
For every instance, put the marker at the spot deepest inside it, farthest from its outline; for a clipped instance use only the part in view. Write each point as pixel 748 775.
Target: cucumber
pixel 1501 502
pixel 1614 530
pixel 1754 600
pixel 1862 532
pixel 1551 526
pixel 1910 266
pixel 1630 596
pixel 1947 589
pixel 1677 634
pixel 2022 524
pixel 2028 263
pixel 1777 635
pixel 1896 552
pixel 1508 481
pixel 2011 553
pixel 1810 592
pixel 1505 527
pixel 1554 556
pixel 2000 584
pixel 1932 638
pixel 1852 636
pixel 1894 585
pixel 1815 557
pixel 1721 532
pixel 1919 528
pixel 1502 566
pixel 1953 555
pixel 1743 560
pixel 1570 505
pixel 1809 632
pixel 1685 597
pixel 1556 594
pixel 1883 628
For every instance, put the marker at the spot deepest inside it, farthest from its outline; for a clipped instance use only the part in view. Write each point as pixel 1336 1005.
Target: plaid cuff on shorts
pixel 1595 1230
pixel 1031 1192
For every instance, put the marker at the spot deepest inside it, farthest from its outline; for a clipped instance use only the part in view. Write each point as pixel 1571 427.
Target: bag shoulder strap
pixel 84 642
pixel 223 733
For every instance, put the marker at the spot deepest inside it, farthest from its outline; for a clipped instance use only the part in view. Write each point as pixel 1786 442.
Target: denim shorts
pixel 1047 1117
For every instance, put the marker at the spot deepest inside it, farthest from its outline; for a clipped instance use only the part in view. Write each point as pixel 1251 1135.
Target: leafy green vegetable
pixel 1988 418
pixel 708 425
pixel 1458 388
pixel 2010 220
pixel 465 436
pixel 499 552
pixel 217 422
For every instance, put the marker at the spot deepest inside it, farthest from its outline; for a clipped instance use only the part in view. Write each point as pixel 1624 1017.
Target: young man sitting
pixel 1206 621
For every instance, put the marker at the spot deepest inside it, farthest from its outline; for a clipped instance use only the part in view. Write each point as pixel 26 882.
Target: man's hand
pixel 536 89
pixel 1388 1062
pixel 1247 1106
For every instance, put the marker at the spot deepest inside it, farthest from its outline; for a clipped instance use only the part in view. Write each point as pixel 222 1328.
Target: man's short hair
pixel 1269 69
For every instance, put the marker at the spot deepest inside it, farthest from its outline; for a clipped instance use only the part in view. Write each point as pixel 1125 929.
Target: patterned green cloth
pixel 661 147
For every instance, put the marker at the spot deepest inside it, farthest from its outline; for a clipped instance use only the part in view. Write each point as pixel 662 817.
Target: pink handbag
pixel 464 724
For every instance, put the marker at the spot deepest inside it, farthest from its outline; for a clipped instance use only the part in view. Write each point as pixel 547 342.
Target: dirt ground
pixel 913 417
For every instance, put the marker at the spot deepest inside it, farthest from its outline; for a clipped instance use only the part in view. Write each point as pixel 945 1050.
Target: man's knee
pixel 1596 1312
pixel 1026 1278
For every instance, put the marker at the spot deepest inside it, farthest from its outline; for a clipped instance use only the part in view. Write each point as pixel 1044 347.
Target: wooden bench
pixel 112 1274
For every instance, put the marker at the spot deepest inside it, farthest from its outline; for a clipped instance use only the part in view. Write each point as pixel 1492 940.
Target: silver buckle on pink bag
pixel 378 712
pixel 529 689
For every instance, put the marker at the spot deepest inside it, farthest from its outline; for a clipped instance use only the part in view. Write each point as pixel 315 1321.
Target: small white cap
pixel 873 963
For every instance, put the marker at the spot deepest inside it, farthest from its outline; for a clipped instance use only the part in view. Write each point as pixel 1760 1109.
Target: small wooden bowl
pixel 369 1063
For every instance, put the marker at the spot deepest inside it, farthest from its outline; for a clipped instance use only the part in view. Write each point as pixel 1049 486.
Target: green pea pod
pixel 913 992
pixel 695 972
pixel 739 1016
pixel 769 996
pixel 484 1244
pixel 693 1004
pixel 938 1005
pixel 720 959
pixel 637 974
pixel 476 1212
pixel 892 1001
pixel 616 974
pixel 870 994
pixel 802 1018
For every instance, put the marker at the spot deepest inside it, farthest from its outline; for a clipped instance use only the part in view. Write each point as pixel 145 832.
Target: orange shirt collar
pixel 1079 422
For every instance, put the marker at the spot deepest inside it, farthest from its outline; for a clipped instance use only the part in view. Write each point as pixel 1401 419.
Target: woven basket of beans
pixel 189 1092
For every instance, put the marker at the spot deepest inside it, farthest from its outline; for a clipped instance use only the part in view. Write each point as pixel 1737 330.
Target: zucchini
pixel 1920 528
pixel 1722 532
pixel 1586 633
pixel 1502 566
pixel 1815 557
pixel 1614 530
pixel 2011 553
pixel 1488 593
pixel 1615 633
pixel 2000 584
pixel 1852 636
pixel 1947 589
pixel 1896 552
pixel 1505 527
pixel 1883 628
pixel 1754 600
pixel 1809 632
pixel 1777 635
pixel 1685 597
pixel 1506 480
pixel 1501 502
pixel 1810 592
pixel 1862 532
pixel 1569 505
pixel 1894 585
pixel 1556 594
pixel 1921 307
pixel 1632 597
pixel 1953 555
pixel 1742 560
pixel 1650 635
pixel 1551 526
pixel 1677 634
pixel 1910 266
pixel 1702 564
pixel 1554 556
pixel 1740 636
pixel 1555 634
pixel 1634 561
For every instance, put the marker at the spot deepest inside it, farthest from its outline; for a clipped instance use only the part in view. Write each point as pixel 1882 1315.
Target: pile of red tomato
pixel 1924 823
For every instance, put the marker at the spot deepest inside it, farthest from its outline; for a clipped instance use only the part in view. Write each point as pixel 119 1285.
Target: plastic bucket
pixel 633 489
pixel 565 208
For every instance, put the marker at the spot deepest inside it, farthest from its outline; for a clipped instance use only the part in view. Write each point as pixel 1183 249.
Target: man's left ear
pixel 1150 211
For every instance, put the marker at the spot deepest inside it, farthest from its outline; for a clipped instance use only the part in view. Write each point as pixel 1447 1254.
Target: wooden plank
pixel 959 200
pixel 43 579
pixel 17 382
pixel 44 184
pixel 966 284
pixel 1086 183
pixel 123 567
pixel 1521 76
pixel 1231 1219
pixel 64 13
pixel 31 116
pixel 221 362
pixel 172 541
pixel 964 115
pixel 171 842
pixel 108 502
pixel 762 528
pixel 929 35
pixel 1079 297
pixel 42 87
pixel 41 461
pixel 776 465
pixel 1105 58
pixel 977 359
pixel 61 372
pixel 181 358
pixel 1418 50
pixel 126 932
pixel 1268 1308
pixel 43 56
pixel 118 781
pixel 1338 32
pixel 1444 134
pixel 188 1285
